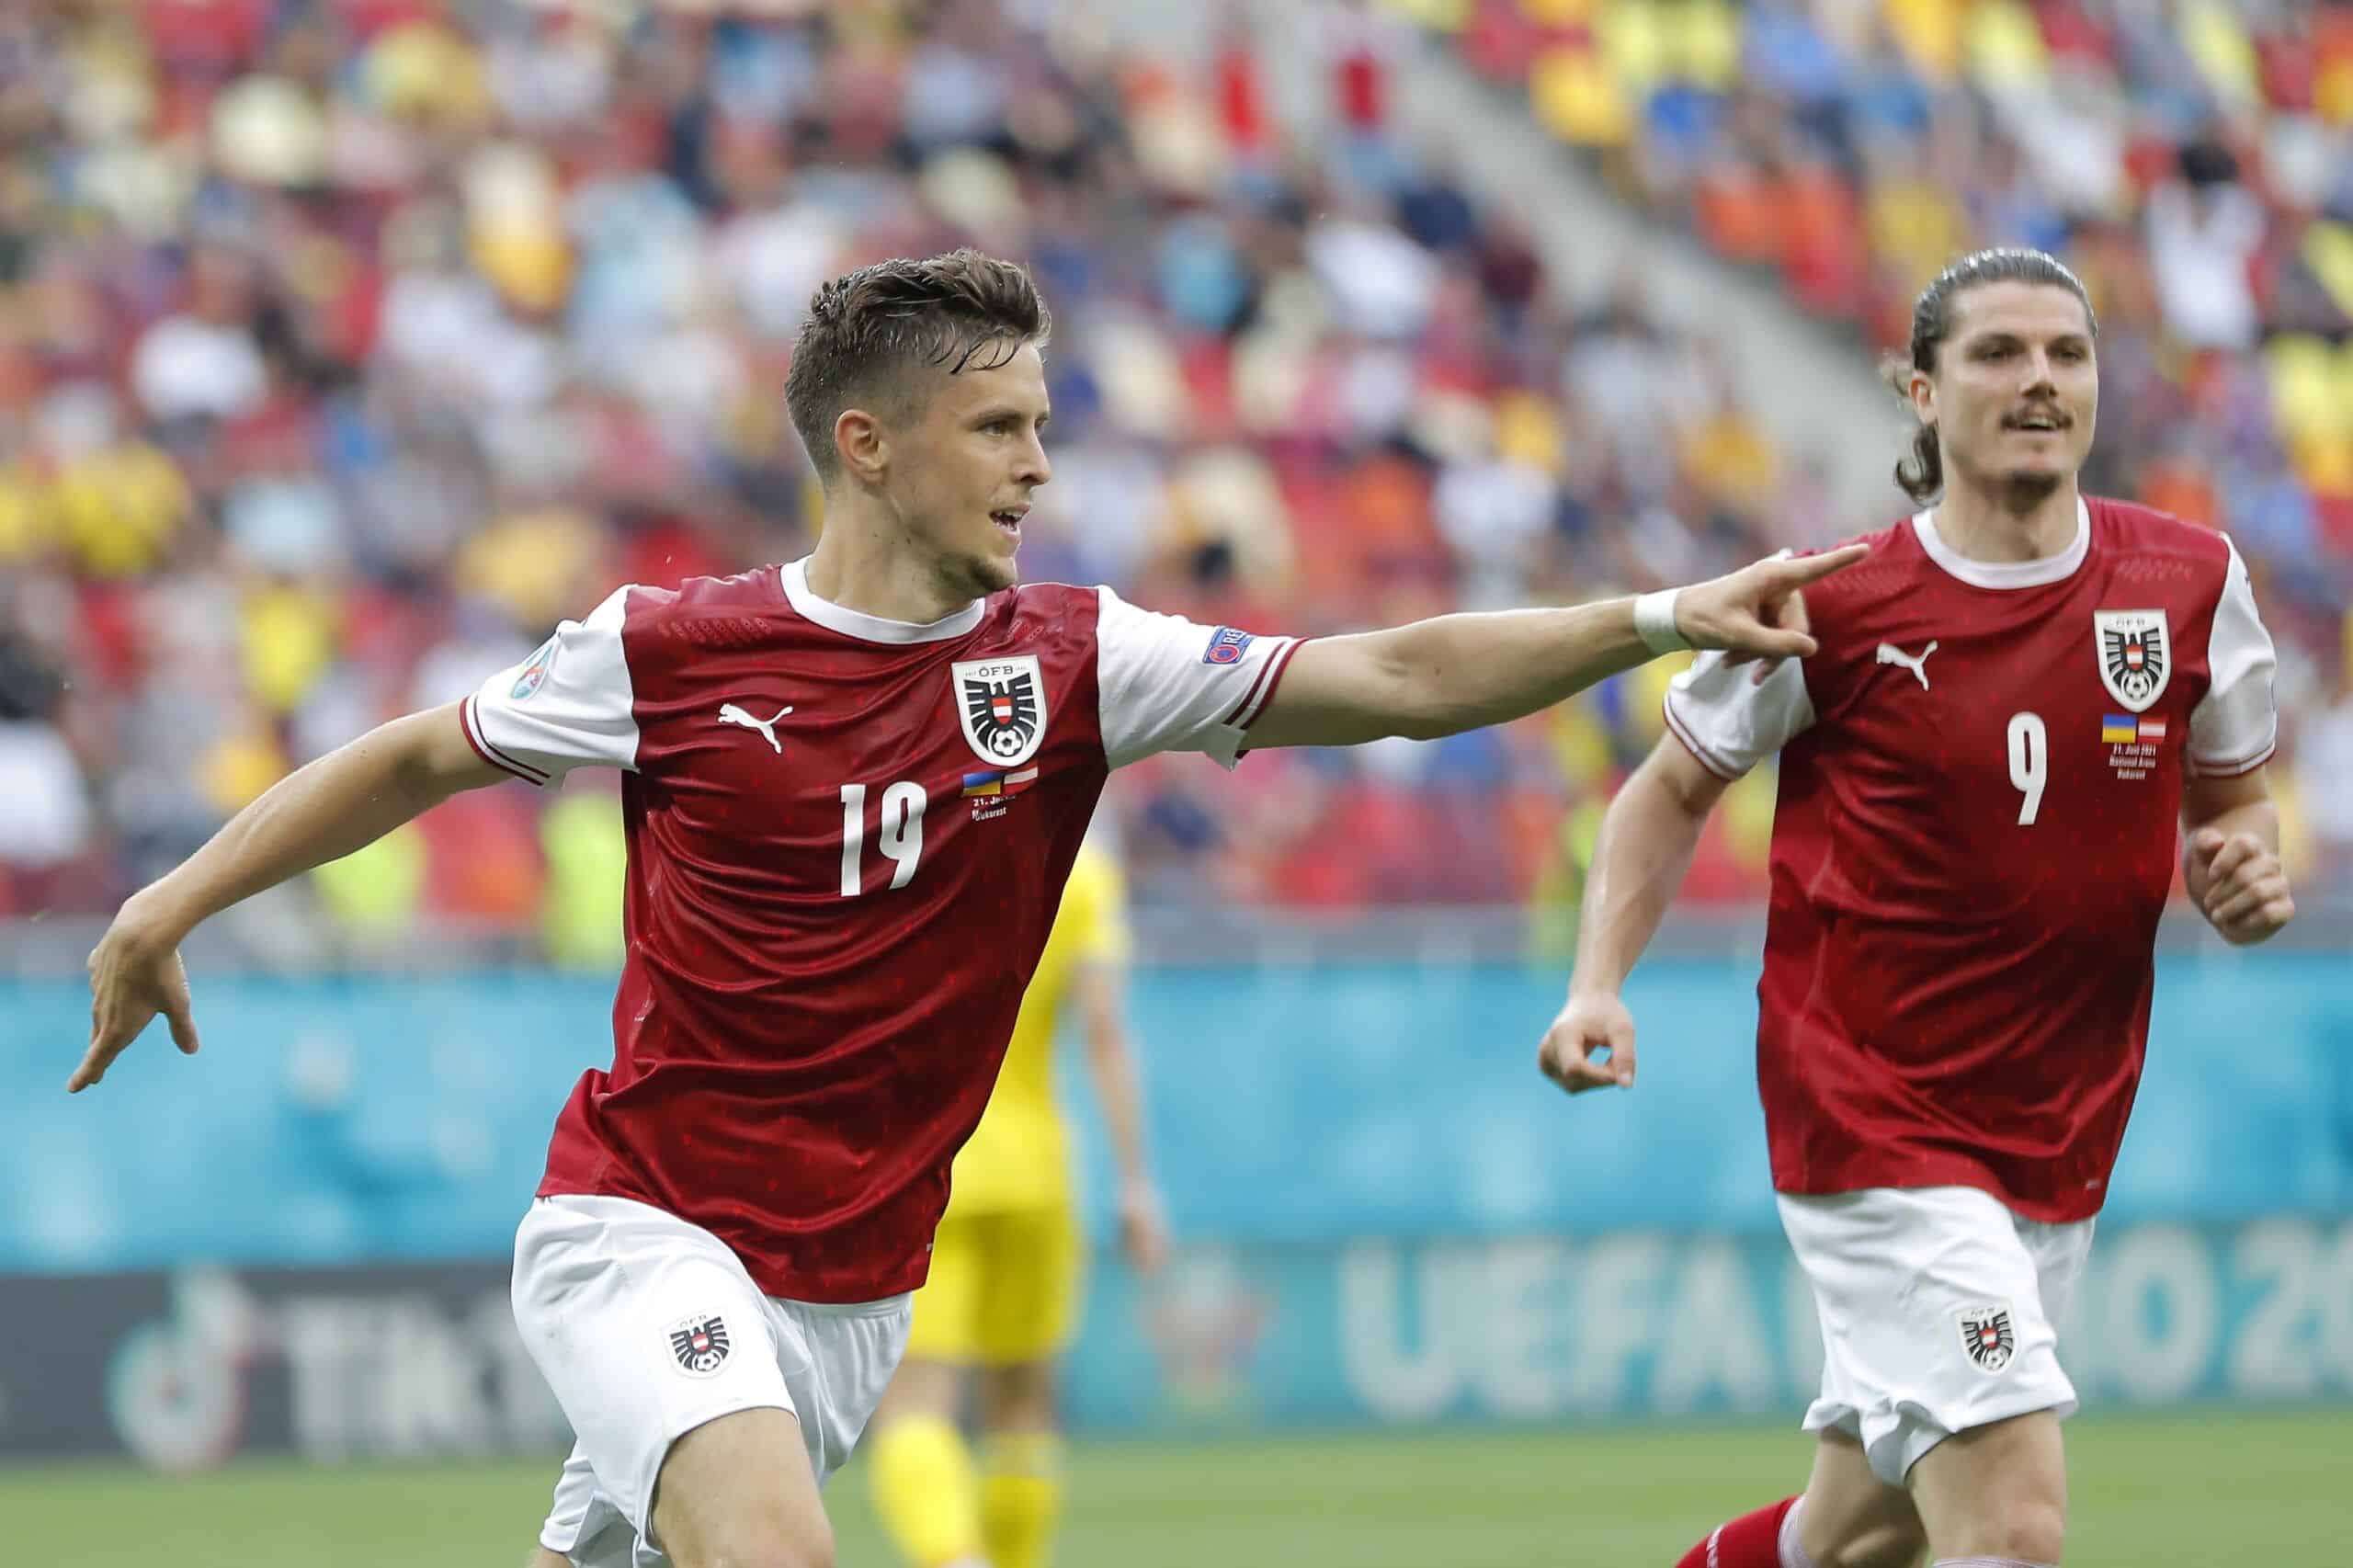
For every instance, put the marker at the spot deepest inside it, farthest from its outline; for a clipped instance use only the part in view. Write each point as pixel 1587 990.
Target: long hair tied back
pixel 1921 474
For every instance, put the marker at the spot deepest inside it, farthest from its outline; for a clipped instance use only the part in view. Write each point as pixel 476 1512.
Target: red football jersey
pixel 848 838
pixel 1980 787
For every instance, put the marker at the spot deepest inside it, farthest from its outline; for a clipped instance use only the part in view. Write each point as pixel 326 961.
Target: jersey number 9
pixel 2030 762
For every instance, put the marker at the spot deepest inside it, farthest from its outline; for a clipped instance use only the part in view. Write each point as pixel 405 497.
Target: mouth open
pixel 2040 421
pixel 1009 518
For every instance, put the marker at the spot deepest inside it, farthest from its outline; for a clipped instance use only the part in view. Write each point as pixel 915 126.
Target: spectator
pixel 343 349
pixel 2195 161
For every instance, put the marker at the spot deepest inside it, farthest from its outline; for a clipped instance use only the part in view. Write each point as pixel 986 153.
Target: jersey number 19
pixel 899 834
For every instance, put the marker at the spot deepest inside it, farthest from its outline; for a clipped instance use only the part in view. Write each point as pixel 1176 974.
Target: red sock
pixel 1752 1541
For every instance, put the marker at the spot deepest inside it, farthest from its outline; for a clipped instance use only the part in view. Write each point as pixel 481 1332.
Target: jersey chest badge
pixel 2136 656
pixel 1002 704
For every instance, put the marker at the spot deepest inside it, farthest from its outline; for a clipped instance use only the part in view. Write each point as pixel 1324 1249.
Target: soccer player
pixel 1982 769
pixel 1003 1291
pixel 854 787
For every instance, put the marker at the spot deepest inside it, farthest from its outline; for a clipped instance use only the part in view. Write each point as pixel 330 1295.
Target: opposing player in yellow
pixel 1001 1298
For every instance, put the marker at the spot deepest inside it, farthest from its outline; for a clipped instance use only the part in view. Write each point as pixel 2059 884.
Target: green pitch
pixel 2181 1492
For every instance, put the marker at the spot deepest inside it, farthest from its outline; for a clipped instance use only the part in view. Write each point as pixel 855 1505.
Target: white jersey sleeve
pixel 1170 684
pixel 571 702
pixel 1729 720
pixel 2235 725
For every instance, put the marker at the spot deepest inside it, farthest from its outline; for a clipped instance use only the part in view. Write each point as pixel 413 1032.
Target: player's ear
pixel 1922 386
pixel 862 445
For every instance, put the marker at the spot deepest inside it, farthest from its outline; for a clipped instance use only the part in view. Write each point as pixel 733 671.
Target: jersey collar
pixel 872 628
pixel 2008 573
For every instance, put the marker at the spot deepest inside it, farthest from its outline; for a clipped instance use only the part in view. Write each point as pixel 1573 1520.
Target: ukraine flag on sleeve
pixel 2115 729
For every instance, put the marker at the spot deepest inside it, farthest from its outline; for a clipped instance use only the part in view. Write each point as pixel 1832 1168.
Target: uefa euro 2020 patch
pixel 535 672
pixel 1226 646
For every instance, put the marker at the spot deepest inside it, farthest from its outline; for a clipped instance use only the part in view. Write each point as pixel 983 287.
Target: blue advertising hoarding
pixel 369 1118
pixel 1386 1215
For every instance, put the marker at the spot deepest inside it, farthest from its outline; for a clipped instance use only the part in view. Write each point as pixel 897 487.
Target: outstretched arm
pixel 343 802
pixel 1644 848
pixel 1458 671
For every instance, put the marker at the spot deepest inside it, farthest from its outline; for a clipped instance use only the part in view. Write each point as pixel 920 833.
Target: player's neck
pixel 855 568
pixel 1979 526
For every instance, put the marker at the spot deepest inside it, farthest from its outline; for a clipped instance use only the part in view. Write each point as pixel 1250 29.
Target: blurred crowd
pixel 346 344
pixel 2192 160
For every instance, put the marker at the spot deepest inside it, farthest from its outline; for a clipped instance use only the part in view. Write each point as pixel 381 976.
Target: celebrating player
pixel 1982 770
pixel 1003 1291
pixel 855 787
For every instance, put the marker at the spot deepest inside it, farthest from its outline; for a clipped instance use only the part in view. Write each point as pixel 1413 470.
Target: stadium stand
pixel 2194 162
pixel 346 344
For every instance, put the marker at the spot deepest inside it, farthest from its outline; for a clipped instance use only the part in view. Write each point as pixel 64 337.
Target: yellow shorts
pixel 1003 1288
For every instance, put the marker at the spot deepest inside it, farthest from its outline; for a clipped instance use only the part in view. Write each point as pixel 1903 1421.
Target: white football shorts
pixel 1936 1306
pixel 646 1327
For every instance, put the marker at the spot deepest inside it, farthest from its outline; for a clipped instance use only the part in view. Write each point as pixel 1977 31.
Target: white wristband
pixel 1654 621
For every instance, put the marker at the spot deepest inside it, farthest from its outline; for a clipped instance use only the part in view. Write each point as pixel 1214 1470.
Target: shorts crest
pixel 1986 1335
pixel 699 1343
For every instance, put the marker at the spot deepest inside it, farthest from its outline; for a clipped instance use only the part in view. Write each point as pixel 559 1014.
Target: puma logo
pixel 731 714
pixel 1890 654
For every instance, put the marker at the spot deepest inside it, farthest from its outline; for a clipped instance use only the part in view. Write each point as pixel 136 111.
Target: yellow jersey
pixel 1019 1155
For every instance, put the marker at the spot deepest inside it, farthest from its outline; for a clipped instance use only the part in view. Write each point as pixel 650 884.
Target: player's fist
pixel 1758 612
pixel 1590 1045
pixel 2238 884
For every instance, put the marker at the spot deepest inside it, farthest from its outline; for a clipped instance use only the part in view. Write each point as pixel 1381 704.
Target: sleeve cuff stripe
pixel 2232 770
pixel 1699 752
pixel 1263 693
pixel 472 724
pixel 1251 696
